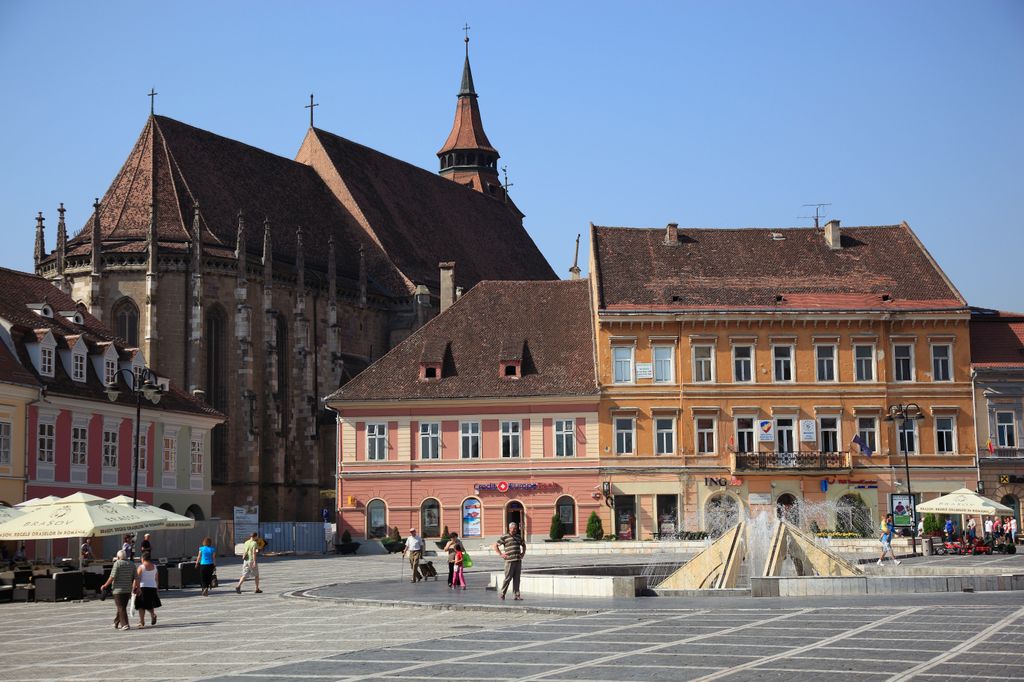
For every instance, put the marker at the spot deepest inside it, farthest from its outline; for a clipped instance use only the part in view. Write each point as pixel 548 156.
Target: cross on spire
pixel 310 107
pixel 506 184
pixel 152 100
pixel 466 29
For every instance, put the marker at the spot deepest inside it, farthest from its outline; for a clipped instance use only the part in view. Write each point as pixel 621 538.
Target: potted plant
pixel 346 546
pixel 557 531
pixel 393 542
pixel 595 529
pixel 445 536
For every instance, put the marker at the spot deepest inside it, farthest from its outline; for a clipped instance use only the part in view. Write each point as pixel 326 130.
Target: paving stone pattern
pixel 297 630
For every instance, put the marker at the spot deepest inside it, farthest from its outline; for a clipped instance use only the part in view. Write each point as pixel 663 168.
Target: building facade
pixel 484 416
pixel 997 366
pixel 738 366
pixel 18 389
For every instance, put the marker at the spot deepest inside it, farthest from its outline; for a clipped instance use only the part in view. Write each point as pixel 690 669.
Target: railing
pixel 765 461
pixel 1003 453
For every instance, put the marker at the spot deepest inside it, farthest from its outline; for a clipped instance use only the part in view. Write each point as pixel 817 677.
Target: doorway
pixel 625 517
pixel 515 513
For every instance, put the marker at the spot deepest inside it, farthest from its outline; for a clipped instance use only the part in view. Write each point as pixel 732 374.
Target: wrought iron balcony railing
pixel 768 461
pixel 1003 453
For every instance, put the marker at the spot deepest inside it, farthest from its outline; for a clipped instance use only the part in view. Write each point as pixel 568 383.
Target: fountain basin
pixel 829 586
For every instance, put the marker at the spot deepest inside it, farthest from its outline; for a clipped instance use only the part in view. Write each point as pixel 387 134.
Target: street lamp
pixel 900 414
pixel 140 383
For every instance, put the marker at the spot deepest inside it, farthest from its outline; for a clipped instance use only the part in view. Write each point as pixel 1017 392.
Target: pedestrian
pixel 997 528
pixel 129 547
pixel 887 533
pixel 250 570
pixel 454 545
pixel 146 546
pixel 949 530
pixel 206 562
pixel 122 579
pixel 85 552
pixel 972 530
pixel 988 527
pixel 459 578
pixel 1013 529
pixel 414 551
pixel 920 528
pixel 148 597
pixel 512 549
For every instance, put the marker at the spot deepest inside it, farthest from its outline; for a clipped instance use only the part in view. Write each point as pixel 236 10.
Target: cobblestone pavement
pixel 296 630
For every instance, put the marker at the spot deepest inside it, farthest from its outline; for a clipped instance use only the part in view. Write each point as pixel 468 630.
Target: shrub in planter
pixel 595 529
pixel 346 546
pixel 557 530
pixel 346 537
pixel 932 525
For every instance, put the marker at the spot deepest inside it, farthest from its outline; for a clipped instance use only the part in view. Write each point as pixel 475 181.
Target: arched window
pixel 787 507
pixel 472 517
pixel 853 515
pixel 281 373
pixel 376 519
pixel 215 335
pixel 430 518
pixel 167 506
pixel 126 321
pixel 195 512
pixel 721 513
pixel 566 510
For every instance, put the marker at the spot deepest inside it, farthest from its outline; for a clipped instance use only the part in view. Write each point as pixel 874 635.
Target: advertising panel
pixel 902 507
pixel 471 518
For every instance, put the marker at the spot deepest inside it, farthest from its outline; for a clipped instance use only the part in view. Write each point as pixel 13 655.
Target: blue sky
pixel 712 114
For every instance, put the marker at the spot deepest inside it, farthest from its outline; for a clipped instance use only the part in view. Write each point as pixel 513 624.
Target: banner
pixel 902 507
pixel 471 518
pixel 247 522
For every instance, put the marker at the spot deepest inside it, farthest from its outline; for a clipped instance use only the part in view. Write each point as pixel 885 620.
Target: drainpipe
pixel 974 412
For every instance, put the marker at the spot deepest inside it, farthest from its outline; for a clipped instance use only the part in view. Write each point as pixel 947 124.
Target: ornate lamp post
pixel 140 383
pixel 901 414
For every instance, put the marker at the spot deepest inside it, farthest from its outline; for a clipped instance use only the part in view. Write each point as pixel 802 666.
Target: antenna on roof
pixel 818 214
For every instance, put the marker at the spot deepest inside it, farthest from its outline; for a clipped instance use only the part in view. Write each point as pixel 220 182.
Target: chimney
pixel 833 236
pixel 672 234
pixel 447 284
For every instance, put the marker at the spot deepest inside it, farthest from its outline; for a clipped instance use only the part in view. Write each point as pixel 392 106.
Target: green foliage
pixel 346 537
pixel 595 529
pixel 814 527
pixel 394 535
pixel 837 534
pixel 557 530
pixel 446 534
pixel 932 525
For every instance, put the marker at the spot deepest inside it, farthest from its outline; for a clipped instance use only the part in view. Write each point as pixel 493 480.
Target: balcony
pixel 1003 453
pixel 792 461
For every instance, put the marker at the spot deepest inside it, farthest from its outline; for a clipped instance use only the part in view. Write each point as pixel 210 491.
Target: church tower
pixel 467 156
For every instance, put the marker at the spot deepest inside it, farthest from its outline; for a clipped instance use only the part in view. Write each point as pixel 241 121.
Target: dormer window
pixel 46 361
pixel 78 366
pixel 73 316
pixel 42 309
pixel 510 370
pixel 430 371
pixel 109 370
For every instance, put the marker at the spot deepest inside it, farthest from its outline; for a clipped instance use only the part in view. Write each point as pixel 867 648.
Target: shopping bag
pixel 467 561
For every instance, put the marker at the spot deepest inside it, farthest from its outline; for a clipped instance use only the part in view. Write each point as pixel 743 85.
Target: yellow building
pixel 754 368
pixel 17 388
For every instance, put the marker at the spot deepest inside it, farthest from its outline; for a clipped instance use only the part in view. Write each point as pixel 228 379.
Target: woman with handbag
pixel 453 547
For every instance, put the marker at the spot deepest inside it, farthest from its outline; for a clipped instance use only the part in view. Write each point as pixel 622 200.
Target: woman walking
pixel 122 577
pixel 453 547
pixel 206 563
pixel 887 531
pixel 148 598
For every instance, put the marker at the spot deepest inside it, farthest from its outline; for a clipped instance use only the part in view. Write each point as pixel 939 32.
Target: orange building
pixel 738 367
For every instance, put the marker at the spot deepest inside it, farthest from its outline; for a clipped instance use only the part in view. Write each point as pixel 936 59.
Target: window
pixel 79 445
pixel 784 435
pixel 565 438
pixel 46 361
pixel 826 363
pixel 622 358
pixel 430 440
pixel 664 436
pixel 78 366
pixel 510 439
pixel 828 434
pixel 143 447
pixel 470 440
pixel 195 452
pixel 742 364
pixel 908 436
pixel 745 434
pixel 376 441
pixel 430 518
pixel 705 427
pixel 624 435
pixel 867 429
pixel 940 364
pixel 703 363
pixel 565 507
pixel 109 449
pixel 45 442
pixel 109 371
pixel 1006 432
pixel 782 363
pixel 903 362
pixel 126 321
pixel 945 442
pixel 664 372
pixel 376 519
pixel 864 361
pixel 170 453
pixel 5 443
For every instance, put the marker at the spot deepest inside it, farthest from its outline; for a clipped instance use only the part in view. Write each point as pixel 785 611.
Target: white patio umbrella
pixel 77 515
pixel 8 513
pixel 37 502
pixel 963 502
pixel 165 519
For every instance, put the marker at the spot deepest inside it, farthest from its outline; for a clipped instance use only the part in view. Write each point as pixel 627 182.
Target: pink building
pixel 485 415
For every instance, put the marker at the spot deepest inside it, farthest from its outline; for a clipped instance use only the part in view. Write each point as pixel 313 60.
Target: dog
pixel 427 570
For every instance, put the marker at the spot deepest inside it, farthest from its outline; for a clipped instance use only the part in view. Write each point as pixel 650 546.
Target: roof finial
pixel 152 100
pixel 466 29
pixel 310 107
pixel 40 251
pixel 467 74
pixel 574 271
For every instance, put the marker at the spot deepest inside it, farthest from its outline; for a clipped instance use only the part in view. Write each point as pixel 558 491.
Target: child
pixel 459 578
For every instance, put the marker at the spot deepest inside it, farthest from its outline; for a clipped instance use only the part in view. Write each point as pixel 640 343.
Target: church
pixel 262 283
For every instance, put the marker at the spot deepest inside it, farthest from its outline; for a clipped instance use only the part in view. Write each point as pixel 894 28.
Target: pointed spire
pixel 240 248
pixel 151 239
pixel 197 239
pixel 467 76
pixel 300 262
pixel 40 250
pixel 332 272
pixel 97 264
pixel 268 256
pixel 62 240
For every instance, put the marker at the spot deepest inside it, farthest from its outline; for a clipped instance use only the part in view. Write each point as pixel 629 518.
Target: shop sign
pixel 722 481
pixel 644 370
pixel 808 431
pixel 766 430
pixel 759 498
pixel 902 507
pixel 505 486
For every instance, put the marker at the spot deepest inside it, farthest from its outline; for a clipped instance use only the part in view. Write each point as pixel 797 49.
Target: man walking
pixel 250 570
pixel 512 548
pixel 414 552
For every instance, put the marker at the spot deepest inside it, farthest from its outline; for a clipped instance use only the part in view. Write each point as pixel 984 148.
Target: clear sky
pixel 710 114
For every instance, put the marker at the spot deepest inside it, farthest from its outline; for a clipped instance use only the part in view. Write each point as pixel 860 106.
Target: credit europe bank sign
pixel 505 486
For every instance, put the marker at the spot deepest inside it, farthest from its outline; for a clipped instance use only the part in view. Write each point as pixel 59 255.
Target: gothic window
pixel 282 350
pixel 216 386
pixel 126 321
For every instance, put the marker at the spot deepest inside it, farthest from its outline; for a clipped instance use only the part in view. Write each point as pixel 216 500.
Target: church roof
pixel 468 129
pixel 548 324
pixel 883 268
pixel 421 219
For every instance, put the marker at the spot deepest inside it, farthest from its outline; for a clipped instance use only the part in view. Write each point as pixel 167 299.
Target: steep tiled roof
pixel 550 320
pixel 877 268
pixel 22 289
pixel 11 371
pixel 997 339
pixel 421 219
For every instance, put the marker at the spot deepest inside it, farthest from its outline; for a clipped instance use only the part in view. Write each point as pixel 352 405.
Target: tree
pixel 446 534
pixel 557 531
pixel 346 537
pixel 595 529
pixel 932 525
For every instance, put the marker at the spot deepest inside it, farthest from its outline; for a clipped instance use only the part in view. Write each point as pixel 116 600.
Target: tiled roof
pixel 877 268
pixel 997 339
pixel 551 320
pixel 421 219
pixel 22 289
pixel 11 371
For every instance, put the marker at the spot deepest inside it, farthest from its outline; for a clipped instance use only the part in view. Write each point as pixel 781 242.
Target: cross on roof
pixel 152 99
pixel 466 29
pixel 310 107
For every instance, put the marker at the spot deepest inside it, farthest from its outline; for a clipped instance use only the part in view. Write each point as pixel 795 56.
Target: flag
pixel 991 448
pixel 864 449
